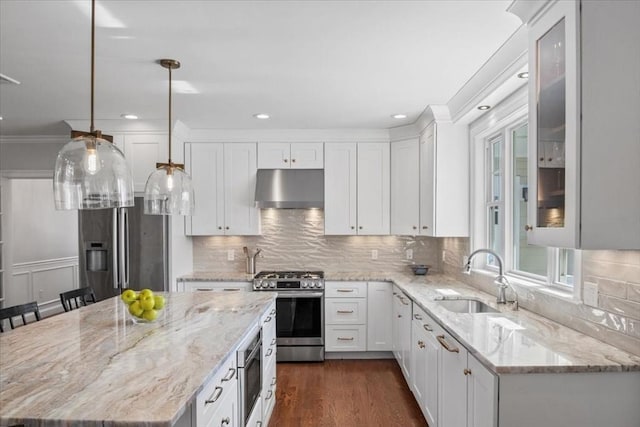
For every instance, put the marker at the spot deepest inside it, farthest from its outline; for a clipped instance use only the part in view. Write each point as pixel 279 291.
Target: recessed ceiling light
pixel 399 116
pixel 129 116
pixel 484 107
pixel 523 75
pixel 261 116
pixel 0 117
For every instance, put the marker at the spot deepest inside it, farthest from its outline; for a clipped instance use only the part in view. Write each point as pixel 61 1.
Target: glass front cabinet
pixel 580 140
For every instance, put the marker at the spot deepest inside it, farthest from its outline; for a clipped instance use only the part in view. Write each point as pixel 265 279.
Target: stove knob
pixel 257 284
pixel 272 284
pixel 312 285
pixel 304 284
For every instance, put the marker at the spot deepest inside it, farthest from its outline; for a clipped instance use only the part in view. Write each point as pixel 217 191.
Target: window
pixel 501 178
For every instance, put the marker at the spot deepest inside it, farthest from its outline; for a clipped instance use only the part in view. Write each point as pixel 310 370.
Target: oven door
pixel 300 318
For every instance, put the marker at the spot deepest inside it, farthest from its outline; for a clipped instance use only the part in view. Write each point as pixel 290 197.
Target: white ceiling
pixel 310 64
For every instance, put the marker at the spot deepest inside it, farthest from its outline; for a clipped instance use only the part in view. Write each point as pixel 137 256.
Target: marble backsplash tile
pixel 616 319
pixel 293 239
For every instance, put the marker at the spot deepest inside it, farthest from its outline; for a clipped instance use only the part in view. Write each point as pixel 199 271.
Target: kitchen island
pixel 95 367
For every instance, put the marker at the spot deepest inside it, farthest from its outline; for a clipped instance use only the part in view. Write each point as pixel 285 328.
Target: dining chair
pixel 80 297
pixel 18 310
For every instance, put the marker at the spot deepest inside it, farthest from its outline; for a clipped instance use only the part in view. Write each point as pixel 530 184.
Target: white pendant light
pixel 91 172
pixel 169 190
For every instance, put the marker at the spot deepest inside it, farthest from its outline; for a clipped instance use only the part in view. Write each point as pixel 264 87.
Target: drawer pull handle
pixel 269 395
pixel 268 319
pixel 204 289
pixel 403 301
pixel 273 312
pixel 225 421
pixel 231 290
pixel 345 311
pixel 417 317
pixel 467 371
pixel 273 341
pixel 427 327
pixel 229 375
pixel 273 381
pixel 446 345
pixel 269 352
pixel 345 339
pixel 345 290
pixel 215 396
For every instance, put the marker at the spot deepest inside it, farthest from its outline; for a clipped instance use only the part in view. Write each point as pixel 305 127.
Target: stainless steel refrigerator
pixel 123 248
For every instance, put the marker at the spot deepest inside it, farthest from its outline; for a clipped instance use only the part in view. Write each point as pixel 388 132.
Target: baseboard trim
pixel 358 355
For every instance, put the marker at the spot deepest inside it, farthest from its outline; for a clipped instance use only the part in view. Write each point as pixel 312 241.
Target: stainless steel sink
pixel 466 305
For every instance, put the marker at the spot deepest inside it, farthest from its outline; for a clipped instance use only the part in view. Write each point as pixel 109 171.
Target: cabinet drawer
pixel 345 311
pixel 345 289
pixel 220 389
pixel 217 286
pixel 346 338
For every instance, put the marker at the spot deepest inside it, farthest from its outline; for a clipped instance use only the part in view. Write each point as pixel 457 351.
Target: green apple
pixel 135 309
pixel 147 302
pixel 150 315
pixel 129 296
pixel 159 302
pixel 145 293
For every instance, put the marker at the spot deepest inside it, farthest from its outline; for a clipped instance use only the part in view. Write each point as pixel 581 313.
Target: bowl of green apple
pixel 143 306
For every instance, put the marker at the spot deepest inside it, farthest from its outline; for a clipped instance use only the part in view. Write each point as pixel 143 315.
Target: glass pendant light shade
pixel 169 191
pixel 91 173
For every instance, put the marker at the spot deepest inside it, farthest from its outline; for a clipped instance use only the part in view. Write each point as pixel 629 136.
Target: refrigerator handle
pixel 122 240
pixel 127 247
pixel 115 249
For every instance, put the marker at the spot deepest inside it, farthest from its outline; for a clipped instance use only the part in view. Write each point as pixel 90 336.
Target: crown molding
pixel 34 139
pixel 289 135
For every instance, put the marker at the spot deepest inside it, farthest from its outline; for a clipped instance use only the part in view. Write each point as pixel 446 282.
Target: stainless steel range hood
pixel 290 188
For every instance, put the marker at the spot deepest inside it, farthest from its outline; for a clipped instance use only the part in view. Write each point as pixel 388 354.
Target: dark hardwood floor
pixel 345 393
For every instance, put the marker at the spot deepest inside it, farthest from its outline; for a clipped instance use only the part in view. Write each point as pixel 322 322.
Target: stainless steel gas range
pixel 299 313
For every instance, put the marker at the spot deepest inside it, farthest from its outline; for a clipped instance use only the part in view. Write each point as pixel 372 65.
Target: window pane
pixel 526 258
pixel 496 235
pixel 566 266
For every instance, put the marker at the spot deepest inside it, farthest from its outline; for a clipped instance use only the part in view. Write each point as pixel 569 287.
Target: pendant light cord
pixel 93 59
pixel 170 115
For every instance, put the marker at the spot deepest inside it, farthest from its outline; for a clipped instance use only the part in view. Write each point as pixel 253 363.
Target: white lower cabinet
pixel 345 316
pixel 402 310
pixel 267 396
pixel 379 316
pixel 426 358
pixel 482 395
pixel 217 403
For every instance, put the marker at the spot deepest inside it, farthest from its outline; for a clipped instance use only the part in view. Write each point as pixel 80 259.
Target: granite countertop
pixel 216 276
pixel 508 342
pixel 94 367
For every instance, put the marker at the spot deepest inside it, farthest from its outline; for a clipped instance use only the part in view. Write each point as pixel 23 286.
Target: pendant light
pixel 169 190
pixel 91 172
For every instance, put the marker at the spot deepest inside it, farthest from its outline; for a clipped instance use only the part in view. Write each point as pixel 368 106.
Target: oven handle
pixel 301 294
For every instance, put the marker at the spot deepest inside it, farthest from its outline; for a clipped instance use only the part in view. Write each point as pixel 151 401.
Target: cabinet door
pixel 405 337
pixel 373 188
pixel 419 361
pixel 142 153
pixel 427 181
pixel 340 188
pixel 273 155
pixel 432 369
pixel 482 403
pixel 453 383
pixel 307 155
pixel 205 163
pixel 241 215
pixel 226 413
pixel 405 189
pixel 379 316
pixel 554 127
pixel 397 315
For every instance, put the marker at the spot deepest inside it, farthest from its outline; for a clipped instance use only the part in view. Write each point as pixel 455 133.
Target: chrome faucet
pixel 501 280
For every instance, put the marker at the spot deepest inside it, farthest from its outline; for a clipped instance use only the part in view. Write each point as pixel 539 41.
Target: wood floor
pixel 345 393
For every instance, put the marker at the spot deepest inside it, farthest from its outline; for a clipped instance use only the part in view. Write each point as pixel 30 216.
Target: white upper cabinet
pixel 142 153
pixel 224 179
pixel 444 177
pixel 405 187
pixel 356 185
pixel 373 188
pixel 284 155
pixel 583 126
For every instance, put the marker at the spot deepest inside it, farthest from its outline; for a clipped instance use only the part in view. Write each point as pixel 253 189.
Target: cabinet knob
pixel 420 344
pixel 550 159
pixel 227 227
pixel 219 228
pixel 542 159
pixel 293 160
pixel 286 160
pixel 528 227
pixel 415 228
pixel 467 371
pixel 360 227
pixel 424 227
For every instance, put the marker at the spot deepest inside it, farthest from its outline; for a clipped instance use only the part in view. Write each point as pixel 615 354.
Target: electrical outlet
pixel 374 254
pixel 444 256
pixel 590 294
pixel 409 253
pixel 231 255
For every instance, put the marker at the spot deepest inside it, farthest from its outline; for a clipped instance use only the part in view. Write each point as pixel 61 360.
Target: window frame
pixel 503 119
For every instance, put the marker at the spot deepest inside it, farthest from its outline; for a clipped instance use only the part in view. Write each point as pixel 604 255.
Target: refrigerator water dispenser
pixel 96 256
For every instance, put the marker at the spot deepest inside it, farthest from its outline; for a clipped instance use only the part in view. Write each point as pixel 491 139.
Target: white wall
pixel 39 232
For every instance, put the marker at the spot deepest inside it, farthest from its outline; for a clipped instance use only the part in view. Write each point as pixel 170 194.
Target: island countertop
pixel 94 367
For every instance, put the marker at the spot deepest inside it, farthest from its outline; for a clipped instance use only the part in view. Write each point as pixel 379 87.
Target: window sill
pixel 534 287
